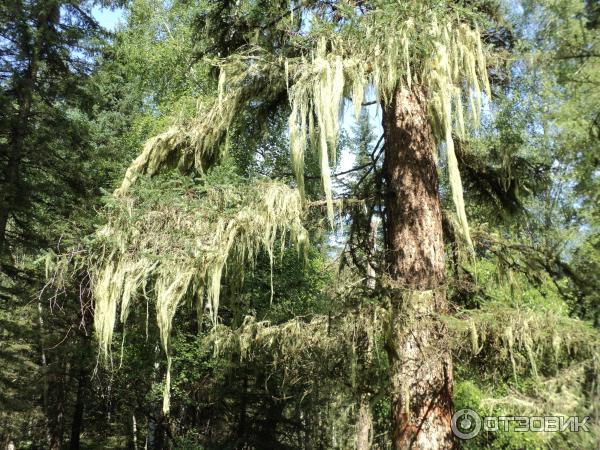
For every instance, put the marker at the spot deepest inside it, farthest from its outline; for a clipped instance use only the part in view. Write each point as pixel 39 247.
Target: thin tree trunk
pixel 56 428
pixel 364 437
pixel 241 431
pixel 44 371
pixel 420 363
pixel 77 424
pixel 371 273
pixel 364 426
pixel 134 432
pixel 56 412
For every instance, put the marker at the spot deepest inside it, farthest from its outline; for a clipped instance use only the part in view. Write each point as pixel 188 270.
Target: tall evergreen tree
pixel 47 51
pixel 417 77
pixel 266 335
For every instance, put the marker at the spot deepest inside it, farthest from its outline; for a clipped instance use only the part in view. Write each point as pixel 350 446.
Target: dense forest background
pixel 293 350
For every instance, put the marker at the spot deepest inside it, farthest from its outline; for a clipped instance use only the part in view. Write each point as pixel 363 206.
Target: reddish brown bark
pixel 420 364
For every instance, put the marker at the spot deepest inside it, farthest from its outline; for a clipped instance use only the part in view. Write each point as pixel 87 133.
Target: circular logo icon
pixel 466 424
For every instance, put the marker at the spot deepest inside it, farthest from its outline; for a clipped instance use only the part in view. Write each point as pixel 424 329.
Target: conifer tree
pixel 258 341
pixel 339 51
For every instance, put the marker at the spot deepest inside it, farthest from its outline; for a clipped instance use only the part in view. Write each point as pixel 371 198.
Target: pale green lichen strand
pixel 190 252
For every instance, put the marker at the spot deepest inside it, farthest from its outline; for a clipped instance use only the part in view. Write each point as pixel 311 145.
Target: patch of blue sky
pixel 110 19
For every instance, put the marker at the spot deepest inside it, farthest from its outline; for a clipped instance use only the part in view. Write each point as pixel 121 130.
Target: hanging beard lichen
pixel 458 57
pixel 180 252
pixel 430 49
pixel 446 62
pixel 318 90
pixel 196 145
pixel 178 241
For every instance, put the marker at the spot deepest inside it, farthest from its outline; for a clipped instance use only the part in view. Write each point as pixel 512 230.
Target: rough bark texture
pixel 415 246
pixel 420 364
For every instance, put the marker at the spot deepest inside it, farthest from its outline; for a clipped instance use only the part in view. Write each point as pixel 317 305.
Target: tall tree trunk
pixel 57 399
pixel 364 436
pixel 241 431
pixel 420 363
pixel 134 445
pixel 77 423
